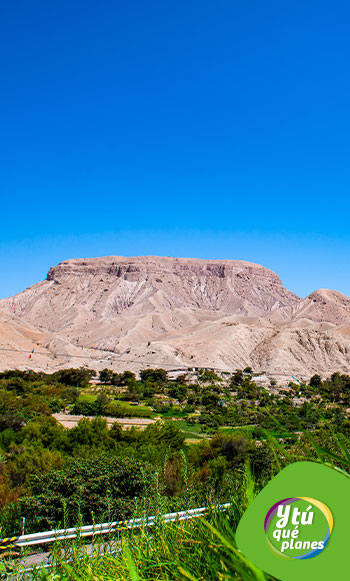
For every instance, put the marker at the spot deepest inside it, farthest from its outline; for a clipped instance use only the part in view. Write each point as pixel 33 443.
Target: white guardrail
pixel 101 529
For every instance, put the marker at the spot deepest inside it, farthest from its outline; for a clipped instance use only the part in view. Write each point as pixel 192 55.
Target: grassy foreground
pixel 200 549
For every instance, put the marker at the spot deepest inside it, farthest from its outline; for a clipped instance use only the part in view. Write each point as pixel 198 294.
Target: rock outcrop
pixel 132 312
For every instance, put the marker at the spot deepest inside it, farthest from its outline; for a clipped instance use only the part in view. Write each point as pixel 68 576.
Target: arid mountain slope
pixel 324 305
pixel 176 312
pixel 104 288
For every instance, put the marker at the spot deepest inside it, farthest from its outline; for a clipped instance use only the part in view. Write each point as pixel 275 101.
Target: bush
pixel 100 488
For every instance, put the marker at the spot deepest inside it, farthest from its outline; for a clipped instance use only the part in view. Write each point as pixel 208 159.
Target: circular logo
pixel 298 528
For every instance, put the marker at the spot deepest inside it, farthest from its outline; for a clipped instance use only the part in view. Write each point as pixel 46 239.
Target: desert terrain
pixel 131 313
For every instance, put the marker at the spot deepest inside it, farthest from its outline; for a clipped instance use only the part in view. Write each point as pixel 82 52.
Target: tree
pixel 315 381
pixel 106 376
pixel 89 436
pixel 164 434
pixel 76 377
pixel 208 375
pixel 101 488
pixel 101 404
pixel 27 460
pixel 178 391
pixel 237 378
pixel 210 399
pixel 159 376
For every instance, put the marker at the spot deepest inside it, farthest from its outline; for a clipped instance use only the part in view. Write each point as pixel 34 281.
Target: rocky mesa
pixel 173 312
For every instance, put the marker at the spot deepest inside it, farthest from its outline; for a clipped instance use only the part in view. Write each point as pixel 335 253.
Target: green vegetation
pixel 201 549
pixel 212 429
pixel 101 405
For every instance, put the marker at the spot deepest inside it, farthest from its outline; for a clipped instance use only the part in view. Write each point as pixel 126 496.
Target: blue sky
pixel 189 128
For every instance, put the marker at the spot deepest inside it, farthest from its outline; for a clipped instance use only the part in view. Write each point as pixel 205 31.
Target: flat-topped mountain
pixel 176 311
pixel 107 287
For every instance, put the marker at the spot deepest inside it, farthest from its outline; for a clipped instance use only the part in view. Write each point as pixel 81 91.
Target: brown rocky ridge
pixel 129 313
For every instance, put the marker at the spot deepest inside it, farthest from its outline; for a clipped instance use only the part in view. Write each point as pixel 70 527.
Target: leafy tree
pixel 178 391
pixel 101 488
pixel 101 404
pixel 26 461
pixel 237 378
pixel 208 375
pixel 158 376
pixel 11 420
pixel 76 377
pixel 210 399
pixel 164 434
pixel 315 381
pixel 106 376
pixel 44 431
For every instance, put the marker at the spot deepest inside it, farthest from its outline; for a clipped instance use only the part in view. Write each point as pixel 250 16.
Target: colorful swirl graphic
pixel 320 505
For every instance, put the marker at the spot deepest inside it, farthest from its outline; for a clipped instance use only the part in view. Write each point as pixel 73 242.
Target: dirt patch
pixel 69 421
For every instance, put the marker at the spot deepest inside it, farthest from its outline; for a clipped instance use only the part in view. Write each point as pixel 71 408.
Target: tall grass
pixel 198 549
pixel 202 549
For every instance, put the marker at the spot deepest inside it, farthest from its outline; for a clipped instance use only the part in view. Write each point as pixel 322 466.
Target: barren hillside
pixel 130 312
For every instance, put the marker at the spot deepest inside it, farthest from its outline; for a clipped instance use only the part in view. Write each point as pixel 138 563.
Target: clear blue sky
pixel 213 129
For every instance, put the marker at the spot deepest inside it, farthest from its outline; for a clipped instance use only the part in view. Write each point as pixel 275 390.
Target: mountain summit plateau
pixel 129 313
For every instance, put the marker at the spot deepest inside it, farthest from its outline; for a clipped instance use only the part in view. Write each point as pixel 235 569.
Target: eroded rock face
pixel 180 311
pixel 155 283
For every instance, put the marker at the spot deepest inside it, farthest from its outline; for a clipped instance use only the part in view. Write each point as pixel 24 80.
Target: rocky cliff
pixel 177 312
